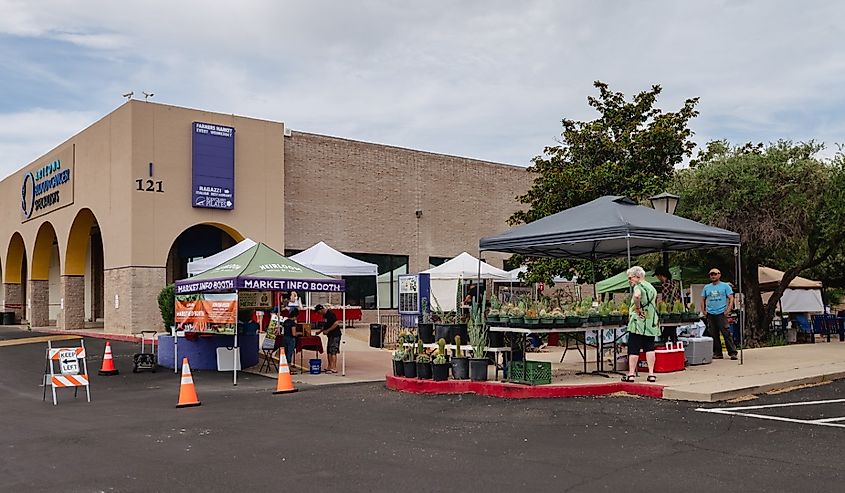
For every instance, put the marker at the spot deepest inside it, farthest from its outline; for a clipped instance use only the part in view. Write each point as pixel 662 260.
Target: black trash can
pixel 377 335
pixel 8 318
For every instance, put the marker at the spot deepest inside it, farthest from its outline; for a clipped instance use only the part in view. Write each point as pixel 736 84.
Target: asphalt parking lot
pixel 365 438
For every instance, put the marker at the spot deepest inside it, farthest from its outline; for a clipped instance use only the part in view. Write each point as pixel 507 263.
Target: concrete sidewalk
pixel 763 370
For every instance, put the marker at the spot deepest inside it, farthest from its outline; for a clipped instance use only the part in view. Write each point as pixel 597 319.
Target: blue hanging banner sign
pixel 213 170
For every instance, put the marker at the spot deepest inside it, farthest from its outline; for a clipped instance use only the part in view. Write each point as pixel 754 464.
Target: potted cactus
pixel 410 362
pixel 425 326
pixel 440 364
pixel 516 316
pixel 423 362
pixel 478 339
pixel 398 358
pixel 460 363
pixel 546 317
pixel 691 314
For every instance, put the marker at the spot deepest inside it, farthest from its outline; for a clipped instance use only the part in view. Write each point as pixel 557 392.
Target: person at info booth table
pixel 717 301
pixel 642 324
pixel 288 338
pixel 331 327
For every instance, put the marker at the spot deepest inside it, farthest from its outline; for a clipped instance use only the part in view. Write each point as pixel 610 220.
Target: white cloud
pixel 487 79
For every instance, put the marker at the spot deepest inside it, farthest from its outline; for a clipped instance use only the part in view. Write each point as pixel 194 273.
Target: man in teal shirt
pixel 717 301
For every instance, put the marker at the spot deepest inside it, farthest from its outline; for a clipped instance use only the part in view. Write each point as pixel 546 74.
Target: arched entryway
pixel 43 293
pixel 82 282
pixel 15 276
pixel 196 242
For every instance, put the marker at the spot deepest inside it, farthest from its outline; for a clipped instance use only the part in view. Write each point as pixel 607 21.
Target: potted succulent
pixel 691 314
pixel 493 315
pixel 478 339
pixel 410 362
pixel 398 358
pixel 558 316
pixel 423 366
pixel 676 312
pixel 546 317
pixel 516 316
pixel 571 319
pixel 440 364
pixel 593 315
pixel 425 326
pixel 663 311
pixel 460 363
pixel 532 317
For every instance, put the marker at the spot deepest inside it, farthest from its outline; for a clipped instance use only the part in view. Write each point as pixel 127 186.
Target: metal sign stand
pixel 71 373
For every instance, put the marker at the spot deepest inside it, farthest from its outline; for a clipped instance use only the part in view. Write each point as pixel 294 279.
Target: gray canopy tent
pixel 613 226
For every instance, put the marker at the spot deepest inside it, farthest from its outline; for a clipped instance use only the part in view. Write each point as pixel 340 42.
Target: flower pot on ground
pixel 440 372
pixel 440 365
pixel 426 332
pixel 398 369
pixel 478 369
pixel 460 363
pixel 410 368
pixel 460 368
pixel 424 369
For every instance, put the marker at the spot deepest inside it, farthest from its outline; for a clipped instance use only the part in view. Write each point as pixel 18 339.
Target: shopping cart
pixel 143 360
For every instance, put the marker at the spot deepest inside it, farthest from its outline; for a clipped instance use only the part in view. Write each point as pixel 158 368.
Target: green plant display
pixel 167 305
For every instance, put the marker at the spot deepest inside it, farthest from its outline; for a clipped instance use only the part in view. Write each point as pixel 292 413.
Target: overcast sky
pixel 483 79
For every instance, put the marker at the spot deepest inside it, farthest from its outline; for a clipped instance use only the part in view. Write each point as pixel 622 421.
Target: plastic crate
pixel 536 373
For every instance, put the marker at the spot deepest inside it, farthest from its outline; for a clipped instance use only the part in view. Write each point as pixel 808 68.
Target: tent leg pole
pixel 742 308
pixel 343 353
pixel 378 304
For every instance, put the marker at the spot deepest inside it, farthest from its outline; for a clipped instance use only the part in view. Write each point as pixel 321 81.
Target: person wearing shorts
pixel 642 324
pixel 331 328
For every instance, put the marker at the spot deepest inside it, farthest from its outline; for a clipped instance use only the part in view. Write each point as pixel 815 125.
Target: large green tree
pixel 631 149
pixel 787 204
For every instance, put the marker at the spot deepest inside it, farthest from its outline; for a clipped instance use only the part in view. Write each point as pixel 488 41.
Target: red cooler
pixel 667 359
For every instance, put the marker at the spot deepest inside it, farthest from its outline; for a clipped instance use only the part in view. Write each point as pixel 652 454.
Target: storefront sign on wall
pixel 47 186
pixel 213 175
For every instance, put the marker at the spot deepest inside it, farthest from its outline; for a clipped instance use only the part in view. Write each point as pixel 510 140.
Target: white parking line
pixel 738 411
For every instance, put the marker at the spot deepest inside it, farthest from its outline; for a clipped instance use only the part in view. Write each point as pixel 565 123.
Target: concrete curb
pixel 685 395
pixel 93 335
pixel 516 391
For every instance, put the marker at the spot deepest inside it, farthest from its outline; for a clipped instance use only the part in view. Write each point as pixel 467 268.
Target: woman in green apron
pixel 642 324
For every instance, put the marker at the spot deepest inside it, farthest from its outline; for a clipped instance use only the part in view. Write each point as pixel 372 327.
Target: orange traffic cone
pixel 285 384
pixel 187 392
pixel 108 363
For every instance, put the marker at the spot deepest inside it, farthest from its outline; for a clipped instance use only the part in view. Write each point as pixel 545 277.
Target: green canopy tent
pixel 619 282
pixel 260 268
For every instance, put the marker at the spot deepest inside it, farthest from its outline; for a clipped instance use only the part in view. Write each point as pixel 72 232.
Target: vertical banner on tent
pixel 209 313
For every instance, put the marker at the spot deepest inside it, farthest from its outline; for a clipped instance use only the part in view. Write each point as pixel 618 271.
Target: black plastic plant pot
pixel 460 368
pixel 426 332
pixel 440 372
pixel 495 339
pixel 460 330
pixel 424 371
pixel 478 369
pixel 443 331
pixel 398 369
pixel 410 369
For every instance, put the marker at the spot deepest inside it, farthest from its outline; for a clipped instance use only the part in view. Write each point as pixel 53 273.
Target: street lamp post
pixel 665 202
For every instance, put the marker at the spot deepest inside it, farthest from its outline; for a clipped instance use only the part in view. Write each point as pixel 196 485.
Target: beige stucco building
pixel 93 229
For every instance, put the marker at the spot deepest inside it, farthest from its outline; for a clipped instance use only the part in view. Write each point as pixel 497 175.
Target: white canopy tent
pixel 202 265
pixel 326 260
pixel 444 278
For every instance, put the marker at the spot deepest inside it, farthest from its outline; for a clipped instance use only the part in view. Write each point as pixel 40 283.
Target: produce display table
pixel 353 313
pixel 308 343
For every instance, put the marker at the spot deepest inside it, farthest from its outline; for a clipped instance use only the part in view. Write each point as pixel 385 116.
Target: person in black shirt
pixel 288 336
pixel 331 328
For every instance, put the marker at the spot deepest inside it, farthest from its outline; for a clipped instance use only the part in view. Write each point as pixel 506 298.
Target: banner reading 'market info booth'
pixel 213 170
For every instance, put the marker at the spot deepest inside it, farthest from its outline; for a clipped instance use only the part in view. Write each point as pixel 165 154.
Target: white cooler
pixel 697 350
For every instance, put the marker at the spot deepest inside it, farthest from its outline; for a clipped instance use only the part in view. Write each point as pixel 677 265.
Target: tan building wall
pixel 139 227
pixel 362 197
pixel 290 192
